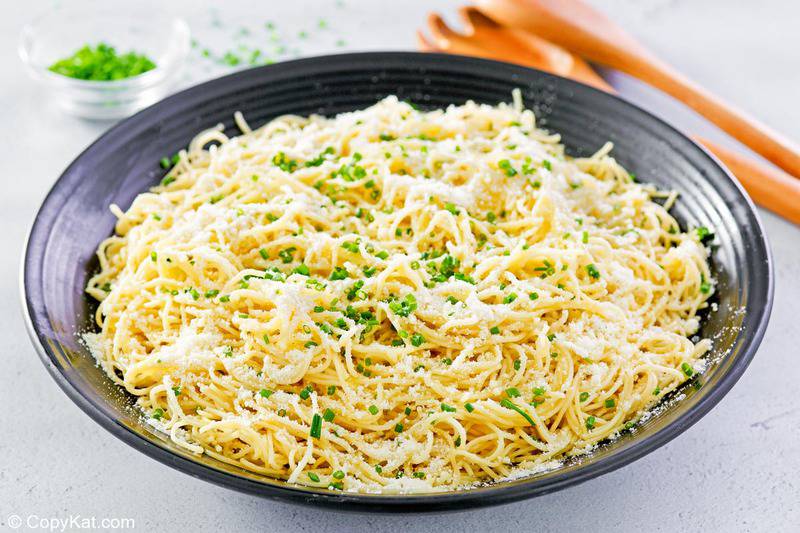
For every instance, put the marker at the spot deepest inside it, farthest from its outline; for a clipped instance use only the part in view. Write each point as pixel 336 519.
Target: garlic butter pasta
pixel 396 300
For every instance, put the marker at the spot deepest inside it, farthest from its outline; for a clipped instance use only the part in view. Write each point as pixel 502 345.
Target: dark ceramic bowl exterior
pixel 74 218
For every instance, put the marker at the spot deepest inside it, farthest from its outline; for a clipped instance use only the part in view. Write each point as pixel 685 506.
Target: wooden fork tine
pixel 472 17
pixel 423 43
pixel 440 30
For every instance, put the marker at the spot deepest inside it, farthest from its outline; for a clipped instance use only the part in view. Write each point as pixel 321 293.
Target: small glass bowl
pixel 58 34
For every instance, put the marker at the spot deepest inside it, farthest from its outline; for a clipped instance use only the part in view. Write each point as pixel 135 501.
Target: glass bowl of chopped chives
pixel 105 64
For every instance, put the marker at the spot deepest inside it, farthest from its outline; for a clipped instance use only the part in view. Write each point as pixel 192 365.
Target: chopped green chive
pixel 398 428
pixel 687 369
pixel 610 403
pixel 703 233
pixel 287 255
pixel 510 298
pixel 287 165
pixel 403 307
pixel 512 392
pixel 339 273
pixel 313 477
pixel 328 415
pixel 265 393
pixel 533 296
pixel 469 407
pixel 447 408
pixel 592 271
pixel 590 422
pixel 494 330
pixel 508 404
pixel 583 396
pixel 373 409
pixel 351 247
pixel 302 269
pixel 505 165
pixel 338 475
pixel 417 339
pixel 705 286
pixel 316 426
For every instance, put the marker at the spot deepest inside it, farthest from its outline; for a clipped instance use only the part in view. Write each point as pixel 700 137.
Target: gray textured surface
pixel 735 470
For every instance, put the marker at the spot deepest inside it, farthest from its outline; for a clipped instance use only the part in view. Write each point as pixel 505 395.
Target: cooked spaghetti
pixel 398 300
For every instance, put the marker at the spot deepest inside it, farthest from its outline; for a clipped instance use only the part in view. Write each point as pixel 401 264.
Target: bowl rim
pixel 409 502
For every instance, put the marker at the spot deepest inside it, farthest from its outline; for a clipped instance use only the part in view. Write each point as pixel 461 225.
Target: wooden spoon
pixel 484 37
pixel 590 34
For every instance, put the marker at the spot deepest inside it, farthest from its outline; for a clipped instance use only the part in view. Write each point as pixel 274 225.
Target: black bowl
pixel 74 218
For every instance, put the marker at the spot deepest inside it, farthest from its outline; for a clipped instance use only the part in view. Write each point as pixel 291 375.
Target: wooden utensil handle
pixel 768 186
pixel 783 152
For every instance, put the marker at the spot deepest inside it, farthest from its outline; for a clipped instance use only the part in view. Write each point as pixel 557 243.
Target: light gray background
pixel 737 469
